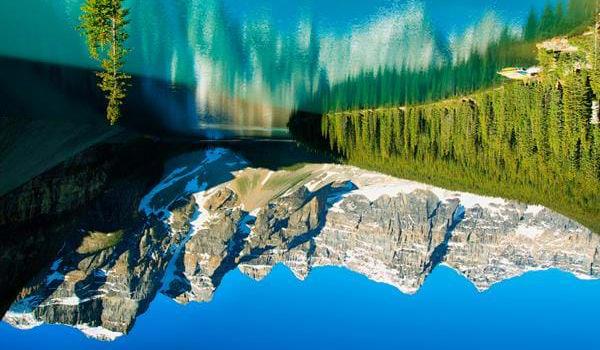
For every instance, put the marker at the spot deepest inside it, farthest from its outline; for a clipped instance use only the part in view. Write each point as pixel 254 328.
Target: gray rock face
pixel 204 220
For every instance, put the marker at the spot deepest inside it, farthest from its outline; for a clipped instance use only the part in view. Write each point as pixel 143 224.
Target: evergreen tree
pixel 104 22
pixel 559 19
pixel 595 76
pixel 531 29
pixel 547 22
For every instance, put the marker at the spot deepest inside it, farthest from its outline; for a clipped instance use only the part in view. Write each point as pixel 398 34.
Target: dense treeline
pixel 394 87
pixel 533 142
pixel 564 18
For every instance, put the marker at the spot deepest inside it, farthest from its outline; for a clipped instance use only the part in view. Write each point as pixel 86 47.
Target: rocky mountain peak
pixel 197 228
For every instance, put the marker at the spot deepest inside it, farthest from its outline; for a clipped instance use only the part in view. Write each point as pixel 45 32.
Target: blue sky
pixel 338 309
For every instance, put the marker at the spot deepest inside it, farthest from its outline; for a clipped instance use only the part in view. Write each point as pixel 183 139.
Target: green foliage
pixel 555 20
pixel 595 78
pixel 104 22
pixel 528 141
pixel 386 87
pixel 530 32
pixel 391 87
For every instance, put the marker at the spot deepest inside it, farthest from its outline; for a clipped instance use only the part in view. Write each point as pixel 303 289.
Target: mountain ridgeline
pixel 185 238
pixel 536 140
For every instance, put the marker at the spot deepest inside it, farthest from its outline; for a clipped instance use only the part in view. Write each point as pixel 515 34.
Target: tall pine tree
pixel 104 22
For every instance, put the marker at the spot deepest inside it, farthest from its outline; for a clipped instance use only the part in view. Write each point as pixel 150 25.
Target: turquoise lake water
pixel 245 66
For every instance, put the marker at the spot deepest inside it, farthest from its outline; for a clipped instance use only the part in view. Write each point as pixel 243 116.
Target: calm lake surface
pixel 241 69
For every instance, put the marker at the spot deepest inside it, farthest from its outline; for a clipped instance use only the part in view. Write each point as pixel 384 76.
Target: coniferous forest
pixel 533 141
pixel 388 87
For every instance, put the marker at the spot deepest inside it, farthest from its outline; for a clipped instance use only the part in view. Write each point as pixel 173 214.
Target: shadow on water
pixel 50 113
pixel 306 128
pixel 41 91
pixel 44 91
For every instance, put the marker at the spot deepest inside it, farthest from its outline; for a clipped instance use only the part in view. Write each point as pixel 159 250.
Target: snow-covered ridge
pixel 189 174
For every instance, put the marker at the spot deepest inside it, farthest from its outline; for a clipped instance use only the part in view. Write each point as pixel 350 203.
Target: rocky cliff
pixel 97 190
pixel 212 213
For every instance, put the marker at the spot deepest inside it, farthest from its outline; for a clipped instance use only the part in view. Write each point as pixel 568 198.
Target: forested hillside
pixel 532 141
